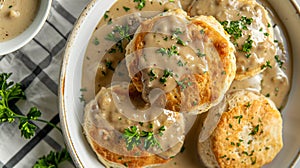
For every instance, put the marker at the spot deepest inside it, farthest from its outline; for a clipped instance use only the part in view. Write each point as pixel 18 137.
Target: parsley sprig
pixel 11 92
pixel 53 159
pixel 133 137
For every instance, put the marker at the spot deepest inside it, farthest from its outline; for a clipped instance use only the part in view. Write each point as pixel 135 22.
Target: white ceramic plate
pixel 71 109
pixel 22 39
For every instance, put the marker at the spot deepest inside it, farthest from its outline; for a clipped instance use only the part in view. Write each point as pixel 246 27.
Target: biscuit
pixel 105 123
pixel 190 59
pixel 255 48
pixel 249 133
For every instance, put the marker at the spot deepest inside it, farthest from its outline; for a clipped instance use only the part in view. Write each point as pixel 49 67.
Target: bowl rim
pixel 65 128
pixel 30 32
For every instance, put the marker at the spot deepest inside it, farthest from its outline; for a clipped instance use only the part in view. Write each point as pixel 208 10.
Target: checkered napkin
pixel 37 67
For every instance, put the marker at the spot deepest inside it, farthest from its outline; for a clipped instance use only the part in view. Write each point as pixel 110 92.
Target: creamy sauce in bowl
pixel 102 58
pixel 16 16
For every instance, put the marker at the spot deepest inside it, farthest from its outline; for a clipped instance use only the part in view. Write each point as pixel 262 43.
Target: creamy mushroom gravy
pixel 16 16
pixel 273 82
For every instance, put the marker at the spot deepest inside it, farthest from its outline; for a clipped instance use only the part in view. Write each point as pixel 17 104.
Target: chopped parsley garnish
pixel 248 55
pixel 167 73
pixel 230 125
pixel 169 51
pixel 152 75
pixel 162 51
pixel 180 63
pixel 266 34
pixel 83 90
pixel 109 21
pixel 267 65
pixel 248 105
pixel 96 41
pixel 202 31
pixel 223 156
pixel 234 28
pixel 179 41
pixel 151 126
pixel 141 4
pixel 113 50
pixel 239 118
pixel 253 161
pixel 119 33
pixel 150 140
pixel 10 6
pixel 133 138
pixel 255 130
pixel 184 83
pixel 279 62
pixel 106 15
pixel 248 45
pixel 161 130
pixel 126 8
pixel 108 65
pixel 200 54
pixel 177 32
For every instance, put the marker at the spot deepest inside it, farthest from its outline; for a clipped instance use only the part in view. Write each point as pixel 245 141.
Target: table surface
pixel 36 66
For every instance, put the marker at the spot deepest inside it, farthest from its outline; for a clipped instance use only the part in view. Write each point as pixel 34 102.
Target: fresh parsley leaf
pixel 235 28
pixel 53 159
pixel 239 118
pixel 167 73
pixel 152 75
pixel 132 137
pixel 279 62
pixel 200 54
pixel 248 45
pixel 106 15
pixel 140 4
pixel 96 41
pixel 108 65
pixel 119 33
pixel 255 130
pixel 169 51
pixel 9 93
pixel 126 8
pixel 150 140
pixel 267 65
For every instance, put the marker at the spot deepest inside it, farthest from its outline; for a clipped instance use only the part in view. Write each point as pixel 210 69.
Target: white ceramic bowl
pixel 23 38
pixel 71 109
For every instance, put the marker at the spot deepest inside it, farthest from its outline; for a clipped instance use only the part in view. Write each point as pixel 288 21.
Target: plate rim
pixel 62 111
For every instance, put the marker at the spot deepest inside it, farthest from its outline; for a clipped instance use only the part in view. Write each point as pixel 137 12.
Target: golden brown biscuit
pixel 190 59
pixel 106 120
pixel 249 133
pixel 254 43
